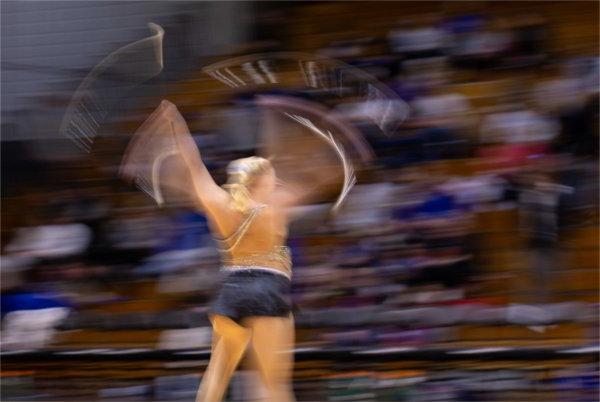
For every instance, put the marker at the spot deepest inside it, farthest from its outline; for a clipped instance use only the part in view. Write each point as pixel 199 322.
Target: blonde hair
pixel 242 174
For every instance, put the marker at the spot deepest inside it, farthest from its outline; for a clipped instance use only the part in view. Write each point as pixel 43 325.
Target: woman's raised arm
pixel 163 154
pixel 309 160
pixel 204 187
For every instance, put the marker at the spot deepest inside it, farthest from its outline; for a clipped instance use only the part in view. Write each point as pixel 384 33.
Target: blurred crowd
pixel 479 213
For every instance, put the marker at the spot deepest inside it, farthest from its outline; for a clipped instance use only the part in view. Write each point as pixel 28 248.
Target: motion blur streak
pixel 462 265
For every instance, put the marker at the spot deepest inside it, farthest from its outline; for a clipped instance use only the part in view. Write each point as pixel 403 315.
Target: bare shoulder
pixel 217 204
pixel 269 210
pixel 276 215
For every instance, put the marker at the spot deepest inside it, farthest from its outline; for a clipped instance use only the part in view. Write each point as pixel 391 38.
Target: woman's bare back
pixel 255 238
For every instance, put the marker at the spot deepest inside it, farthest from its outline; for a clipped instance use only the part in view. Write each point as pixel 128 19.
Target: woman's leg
pixel 228 346
pixel 273 347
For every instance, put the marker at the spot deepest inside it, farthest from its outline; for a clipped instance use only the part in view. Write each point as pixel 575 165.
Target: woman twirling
pixel 248 217
pixel 252 306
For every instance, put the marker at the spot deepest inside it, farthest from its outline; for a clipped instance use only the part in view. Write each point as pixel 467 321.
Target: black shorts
pixel 251 293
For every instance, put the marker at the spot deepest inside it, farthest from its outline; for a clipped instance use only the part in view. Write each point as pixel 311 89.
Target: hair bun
pixel 242 173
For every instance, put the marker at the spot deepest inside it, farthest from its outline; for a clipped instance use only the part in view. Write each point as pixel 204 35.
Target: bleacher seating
pixel 127 349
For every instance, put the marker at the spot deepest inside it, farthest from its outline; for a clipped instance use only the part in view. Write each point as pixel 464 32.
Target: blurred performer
pixel 248 217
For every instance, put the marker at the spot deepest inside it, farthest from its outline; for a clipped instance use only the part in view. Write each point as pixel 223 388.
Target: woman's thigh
pixel 273 346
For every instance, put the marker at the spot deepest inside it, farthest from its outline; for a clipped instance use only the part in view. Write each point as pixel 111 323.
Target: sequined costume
pixel 253 286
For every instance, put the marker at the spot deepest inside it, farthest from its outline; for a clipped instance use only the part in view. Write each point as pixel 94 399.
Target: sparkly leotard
pixel 277 260
pixel 257 284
